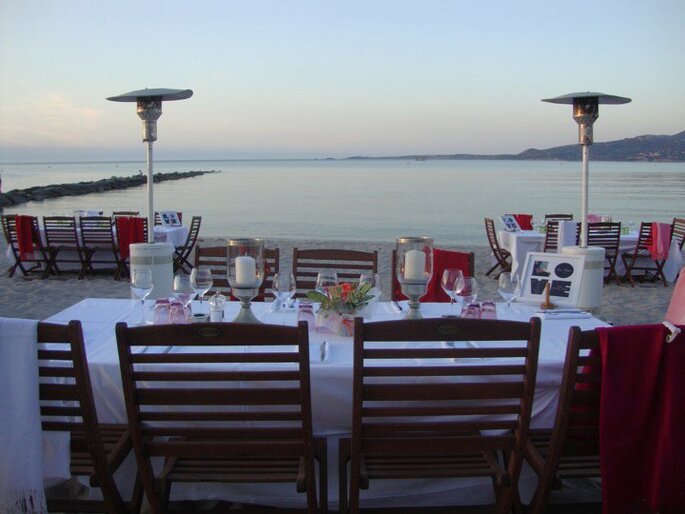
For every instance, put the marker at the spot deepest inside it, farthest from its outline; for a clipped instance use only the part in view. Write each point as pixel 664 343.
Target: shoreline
pixel 35 298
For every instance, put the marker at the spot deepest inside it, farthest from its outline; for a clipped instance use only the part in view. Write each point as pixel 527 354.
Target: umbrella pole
pixel 584 195
pixel 150 199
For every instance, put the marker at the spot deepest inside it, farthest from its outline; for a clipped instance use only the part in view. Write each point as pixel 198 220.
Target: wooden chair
pixel 245 418
pixel 640 259
pixel 467 266
pixel 123 241
pixel 99 247
pixel 502 256
pixel 62 243
pixel 116 214
pixel 558 217
pixel 348 264
pixel 435 420
pixel 678 231
pixel 608 236
pixel 552 235
pixel 38 259
pixel 182 253
pixel 571 448
pixel 216 258
pixel 67 405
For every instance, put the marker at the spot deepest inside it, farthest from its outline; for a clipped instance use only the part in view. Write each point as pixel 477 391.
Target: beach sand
pixel 35 298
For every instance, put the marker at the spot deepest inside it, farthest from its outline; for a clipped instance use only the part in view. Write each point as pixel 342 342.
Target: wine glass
pixel 283 288
pixel 467 289
pixel 201 280
pixel 507 287
pixel 141 286
pixel 375 281
pixel 448 282
pixel 183 290
pixel 324 280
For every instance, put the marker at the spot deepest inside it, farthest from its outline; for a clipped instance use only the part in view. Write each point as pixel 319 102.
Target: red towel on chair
pixel 129 231
pixel 525 221
pixel 642 420
pixel 661 240
pixel 24 226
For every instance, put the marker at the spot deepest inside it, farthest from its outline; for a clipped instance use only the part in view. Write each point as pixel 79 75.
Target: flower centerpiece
pixel 339 305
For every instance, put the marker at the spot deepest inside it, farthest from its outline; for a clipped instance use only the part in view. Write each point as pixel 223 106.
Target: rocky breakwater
pixel 40 193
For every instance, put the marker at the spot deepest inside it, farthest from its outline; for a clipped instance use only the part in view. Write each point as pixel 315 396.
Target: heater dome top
pixel 602 98
pixel 157 93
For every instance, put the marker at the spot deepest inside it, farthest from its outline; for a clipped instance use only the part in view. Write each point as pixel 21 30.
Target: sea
pixel 368 200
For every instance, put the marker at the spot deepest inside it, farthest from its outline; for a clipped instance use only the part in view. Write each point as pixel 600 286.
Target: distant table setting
pixel 331 377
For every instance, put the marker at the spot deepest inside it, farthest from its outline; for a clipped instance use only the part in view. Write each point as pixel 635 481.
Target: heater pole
pixel 584 195
pixel 150 196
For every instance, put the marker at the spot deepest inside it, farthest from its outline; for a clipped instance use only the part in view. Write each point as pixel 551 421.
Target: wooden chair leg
pixel 343 459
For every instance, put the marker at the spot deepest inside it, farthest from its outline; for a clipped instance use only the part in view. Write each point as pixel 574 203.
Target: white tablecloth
pixel 331 395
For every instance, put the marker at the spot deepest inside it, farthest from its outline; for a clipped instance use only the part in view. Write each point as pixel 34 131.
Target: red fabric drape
pixel 525 221
pixel 642 420
pixel 442 259
pixel 24 226
pixel 661 240
pixel 130 230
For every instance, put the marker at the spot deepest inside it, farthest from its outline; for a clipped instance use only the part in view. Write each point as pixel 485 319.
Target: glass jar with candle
pixel 245 263
pixel 414 260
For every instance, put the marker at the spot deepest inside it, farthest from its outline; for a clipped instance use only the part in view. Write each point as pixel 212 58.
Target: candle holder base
pixel 245 295
pixel 414 292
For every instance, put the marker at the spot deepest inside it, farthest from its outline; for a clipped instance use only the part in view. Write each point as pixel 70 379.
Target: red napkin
pixel 24 226
pixel 642 420
pixel 676 309
pixel 442 259
pixel 525 221
pixel 129 231
pixel 660 243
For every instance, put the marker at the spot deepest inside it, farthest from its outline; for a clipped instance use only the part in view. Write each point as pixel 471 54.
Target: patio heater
pixel 586 112
pixel 155 256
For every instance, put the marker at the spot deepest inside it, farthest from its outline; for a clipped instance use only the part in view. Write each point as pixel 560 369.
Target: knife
pixel 397 306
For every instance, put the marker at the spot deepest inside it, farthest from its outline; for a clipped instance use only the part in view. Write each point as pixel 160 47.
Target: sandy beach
pixel 35 298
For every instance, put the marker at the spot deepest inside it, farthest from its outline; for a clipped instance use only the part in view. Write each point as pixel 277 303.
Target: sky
pixel 331 78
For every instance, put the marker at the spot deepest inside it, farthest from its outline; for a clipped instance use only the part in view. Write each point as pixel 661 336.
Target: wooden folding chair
pixel 467 266
pixel 124 241
pixel 640 259
pixel 435 410
pixel 62 243
pixel 552 235
pixel 182 253
pixel 229 403
pixel 608 236
pixel 67 405
pixel 348 264
pixel 99 247
pixel 502 256
pixel 216 258
pixel 571 448
pixel 36 261
pixel 678 231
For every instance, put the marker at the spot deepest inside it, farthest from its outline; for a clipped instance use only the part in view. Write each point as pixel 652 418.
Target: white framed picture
pixel 510 223
pixel 170 219
pixel 563 272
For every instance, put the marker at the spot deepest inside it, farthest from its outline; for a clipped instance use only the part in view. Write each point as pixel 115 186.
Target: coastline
pixel 34 298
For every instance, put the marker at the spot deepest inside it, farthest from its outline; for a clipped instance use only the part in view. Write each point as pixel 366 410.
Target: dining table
pixel 331 358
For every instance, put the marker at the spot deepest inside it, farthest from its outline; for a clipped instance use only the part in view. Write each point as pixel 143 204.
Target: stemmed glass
pixel 324 280
pixel 141 285
pixel 467 288
pixel 201 280
pixel 375 281
pixel 507 287
pixel 283 287
pixel 448 282
pixel 183 290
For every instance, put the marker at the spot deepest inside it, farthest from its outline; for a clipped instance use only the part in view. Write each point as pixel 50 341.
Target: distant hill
pixel 640 148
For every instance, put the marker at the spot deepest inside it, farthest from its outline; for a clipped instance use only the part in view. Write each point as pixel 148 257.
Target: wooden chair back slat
pixel 558 217
pixel 348 264
pixel 225 401
pixel 678 231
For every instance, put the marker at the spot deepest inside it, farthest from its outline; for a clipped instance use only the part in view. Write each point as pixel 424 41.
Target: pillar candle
pixel 414 265
pixel 245 271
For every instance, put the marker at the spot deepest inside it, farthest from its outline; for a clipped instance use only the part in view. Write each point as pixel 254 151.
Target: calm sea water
pixel 366 200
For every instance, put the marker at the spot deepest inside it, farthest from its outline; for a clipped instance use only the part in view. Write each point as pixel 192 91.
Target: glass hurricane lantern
pixel 414 270
pixel 245 274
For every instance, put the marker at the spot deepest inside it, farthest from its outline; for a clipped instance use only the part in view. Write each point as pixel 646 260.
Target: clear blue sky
pixel 277 78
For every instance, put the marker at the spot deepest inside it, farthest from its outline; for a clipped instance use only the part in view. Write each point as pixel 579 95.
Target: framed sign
pixel 563 272
pixel 170 219
pixel 510 223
